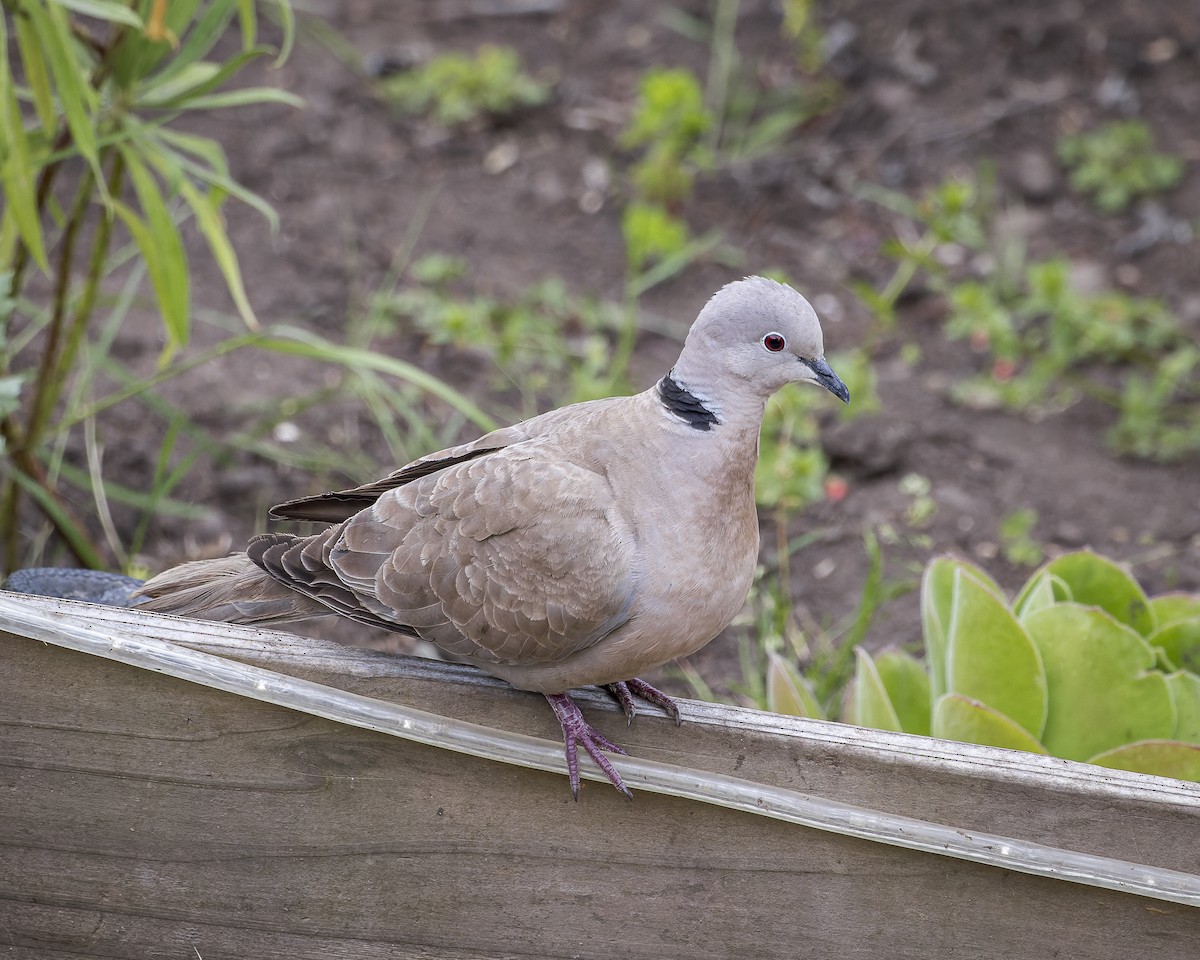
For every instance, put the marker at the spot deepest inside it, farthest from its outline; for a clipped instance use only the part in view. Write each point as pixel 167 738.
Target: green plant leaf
pixel 956 717
pixel 79 540
pixel 109 10
pixel 213 170
pixel 197 35
pixel 209 221
pixel 1170 608
pixel 205 149
pixel 788 692
pixel 75 97
pixel 17 171
pixel 907 684
pixel 1043 589
pixel 36 75
pixel 164 89
pixel 1179 643
pixel 1160 758
pixel 170 279
pixel 298 342
pixel 1178 633
pixel 140 55
pixel 249 22
pixel 146 242
pixel 870 705
pixel 287 22
pixel 1104 691
pixel 991 658
pixel 652 233
pixel 243 97
pixel 1185 690
pixel 937 598
pixel 1097 581
pixel 181 89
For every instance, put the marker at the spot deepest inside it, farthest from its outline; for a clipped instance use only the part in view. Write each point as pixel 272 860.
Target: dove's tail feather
pixel 232 589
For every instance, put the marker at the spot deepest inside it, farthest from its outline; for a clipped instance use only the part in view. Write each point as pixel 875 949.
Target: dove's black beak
pixel 828 379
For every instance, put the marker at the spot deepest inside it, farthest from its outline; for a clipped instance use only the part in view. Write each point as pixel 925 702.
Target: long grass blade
pixel 74 95
pixel 302 343
pixel 37 77
pixel 213 229
pixel 77 538
pixel 109 10
pixel 172 284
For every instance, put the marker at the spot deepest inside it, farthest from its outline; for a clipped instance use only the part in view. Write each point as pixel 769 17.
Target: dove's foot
pixel 626 690
pixel 578 732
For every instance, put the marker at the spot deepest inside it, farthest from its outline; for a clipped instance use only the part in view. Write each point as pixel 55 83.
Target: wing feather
pixel 507 558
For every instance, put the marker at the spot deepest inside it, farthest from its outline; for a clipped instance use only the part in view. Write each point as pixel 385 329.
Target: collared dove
pixel 583 546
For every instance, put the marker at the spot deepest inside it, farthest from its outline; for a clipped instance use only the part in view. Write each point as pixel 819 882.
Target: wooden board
pixel 146 817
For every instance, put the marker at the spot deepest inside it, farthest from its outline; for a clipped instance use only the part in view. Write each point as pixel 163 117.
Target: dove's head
pixel 758 333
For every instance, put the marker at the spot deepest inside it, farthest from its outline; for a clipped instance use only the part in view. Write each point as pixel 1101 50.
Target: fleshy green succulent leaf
pixel 1043 589
pixel 937 599
pixel 870 705
pixel 1103 689
pixel 1169 608
pixel 1162 758
pixel 1097 581
pixel 937 596
pixel 1185 689
pixel 907 684
pixel 1179 643
pixel 956 717
pixel 991 658
pixel 788 691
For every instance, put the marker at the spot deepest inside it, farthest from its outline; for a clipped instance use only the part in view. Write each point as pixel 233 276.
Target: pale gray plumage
pixel 583 546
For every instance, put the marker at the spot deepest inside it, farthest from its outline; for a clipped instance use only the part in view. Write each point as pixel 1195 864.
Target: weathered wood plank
pixel 143 816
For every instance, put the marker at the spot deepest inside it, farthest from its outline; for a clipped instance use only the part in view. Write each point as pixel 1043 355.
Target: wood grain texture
pixel 142 817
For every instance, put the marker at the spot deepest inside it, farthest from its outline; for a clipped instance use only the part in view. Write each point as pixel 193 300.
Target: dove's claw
pixel 626 690
pixel 620 691
pixel 577 731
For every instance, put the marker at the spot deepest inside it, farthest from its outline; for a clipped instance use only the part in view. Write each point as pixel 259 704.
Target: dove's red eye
pixel 774 342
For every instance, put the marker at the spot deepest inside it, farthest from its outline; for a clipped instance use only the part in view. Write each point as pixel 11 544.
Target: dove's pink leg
pixel 626 690
pixel 576 730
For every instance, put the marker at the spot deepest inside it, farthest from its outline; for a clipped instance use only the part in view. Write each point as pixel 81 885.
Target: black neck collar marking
pixel 688 408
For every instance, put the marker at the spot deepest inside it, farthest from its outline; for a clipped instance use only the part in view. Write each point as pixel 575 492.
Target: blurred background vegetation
pixel 253 250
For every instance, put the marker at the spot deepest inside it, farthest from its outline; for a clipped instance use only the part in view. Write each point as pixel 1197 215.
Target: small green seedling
pixel 556 346
pixel 801 25
pixel 1043 343
pixel 457 88
pixel 652 235
pixel 1117 164
pixel 1016 538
